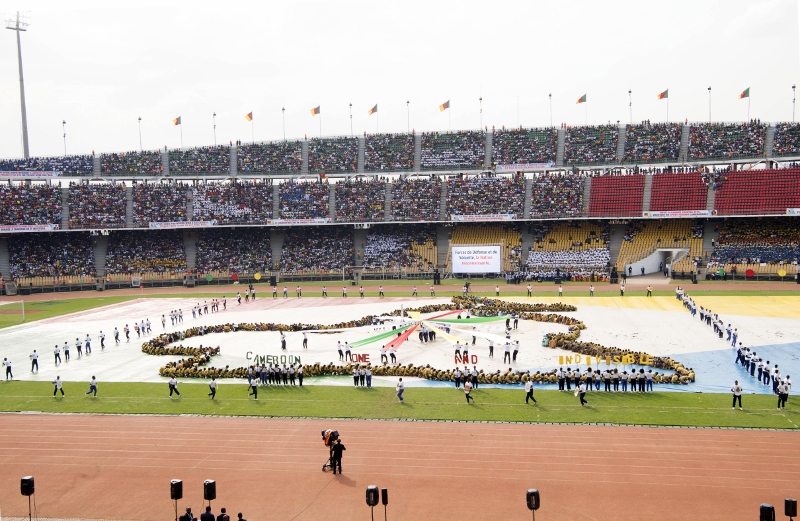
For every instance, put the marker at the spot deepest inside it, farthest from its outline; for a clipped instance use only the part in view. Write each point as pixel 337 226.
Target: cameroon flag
pixel 582 99
pixel 373 110
pixel 315 111
pixel 177 121
pixel 745 93
pixel 249 116
pixel 664 95
pixel 444 106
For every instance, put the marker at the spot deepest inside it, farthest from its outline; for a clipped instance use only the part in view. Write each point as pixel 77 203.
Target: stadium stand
pixel 591 145
pixel 43 259
pixel 758 192
pixel 158 203
pixel 579 250
pixel 360 200
pixel 616 196
pixel 652 143
pixel 672 192
pixel 240 202
pixel 688 264
pixel 524 146
pixel 151 253
pixel 401 247
pixel 304 200
pixel 787 139
pixel 72 165
pixel 556 195
pixel 452 151
pixel 339 154
pixel 221 253
pixel 749 243
pixel 643 237
pixel 390 152
pixel 322 249
pixel 201 160
pixel 269 158
pixel 30 205
pixel 726 140
pixel 131 163
pixel 97 205
pixel 486 195
pixel 416 199
pixel 506 235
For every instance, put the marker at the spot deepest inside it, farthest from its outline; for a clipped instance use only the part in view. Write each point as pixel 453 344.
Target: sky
pixel 100 67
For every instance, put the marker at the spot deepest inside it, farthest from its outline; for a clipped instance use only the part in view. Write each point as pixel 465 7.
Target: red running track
pixel 119 467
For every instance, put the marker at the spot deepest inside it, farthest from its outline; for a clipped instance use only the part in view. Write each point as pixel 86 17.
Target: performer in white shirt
pixel 92 387
pixel 212 385
pixel 736 389
pixel 34 361
pixel 529 391
pixel 173 387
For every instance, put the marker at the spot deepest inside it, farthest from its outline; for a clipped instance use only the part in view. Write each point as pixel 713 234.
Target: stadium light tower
pixel 19 26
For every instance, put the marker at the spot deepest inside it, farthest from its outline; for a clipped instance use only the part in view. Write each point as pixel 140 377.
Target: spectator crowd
pixel 486 194
pixel 131 163
pixel 159 203
pixel 591 144
pixel 524 146
pixel 272 157
pixel 241 250
pixel 76 165
pixel 360 200
pixel 652 143
pixel 557 195
pixel 132 252
pixel 726 140
pixel 304 200
pixel 393 152
pixel 451 151
pixel 750 241
pixel 391 247
pixel 787 139
pixel 333 154
pixel 201 160
pixel 416 199
pixel 318 249
pixel 240 202
pixel 30 205
pixel 98 205
pixel 51 255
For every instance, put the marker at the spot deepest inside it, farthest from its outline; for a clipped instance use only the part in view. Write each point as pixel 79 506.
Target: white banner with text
pixel 476 259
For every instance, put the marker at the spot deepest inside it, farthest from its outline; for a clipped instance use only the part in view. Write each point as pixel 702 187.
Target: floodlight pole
pixel 550 96
pixel 793 100
pixel 64 132
pixel 283 111
pixel 630 106
pixel 214 115
pixel 19 27
pixel 140 134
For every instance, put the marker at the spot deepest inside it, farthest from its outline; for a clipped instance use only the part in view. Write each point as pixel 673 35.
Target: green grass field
pixel 497 405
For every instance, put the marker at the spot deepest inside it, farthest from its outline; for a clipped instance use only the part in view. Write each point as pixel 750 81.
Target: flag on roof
pixel 664 95
pixel 177 121
pixel 373 110
pixel 249 116
pixel 444 106
pixel 315 111
pixel 582 99
pixel 745 93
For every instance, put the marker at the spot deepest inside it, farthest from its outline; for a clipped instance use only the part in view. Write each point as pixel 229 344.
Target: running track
pixel 119 467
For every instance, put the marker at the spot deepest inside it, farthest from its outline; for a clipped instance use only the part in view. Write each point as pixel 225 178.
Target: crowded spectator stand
pixel 243 251
pixel 557 194
pixel 416 199
pixel 726 140
pixel 321 249
pixel 339 154
pixel 201 160
pixel 399 248
pixel 163 202
pixel 652 142
pixel 73 165
pixel 523 146
pixel 28 205
pixel 97 205
pixel 304 200
pixel 51 258
pixel 137 163
pixel 154 253
pixel 486 194
pixel 360 200
pixel 270 158
pixel 591 145
pixel 239 202
pixel 787 139
pixel 388 152
pixel 454 150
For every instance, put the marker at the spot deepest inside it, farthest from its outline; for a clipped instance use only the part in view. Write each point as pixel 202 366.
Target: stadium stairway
pixel 5 259
pixel 65 208
pixel 708 234
pixel 487 158
pixel 233 161
pixel 417 152
pixel 769 140
pixel 443 234
pixel 332 204
pixel 648 191
pixel 276 239
pixel 562 135
pixel 129 207
pixel 527 242
pixel 96 170
pixel 443 204
pixel 615 241
pixel 621 140
pixel 304 159
pixel 190 239
pixel 587 193
pixel 276 201
pixel 387 203
pixel 526 212
pixel 361 147
pixel 189 204
pixel 711 199
pixel 359 244
pixel 165 162
pixel 100 253
pixel 684 152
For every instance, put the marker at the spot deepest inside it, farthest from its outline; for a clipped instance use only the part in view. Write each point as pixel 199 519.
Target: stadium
pixel 641 267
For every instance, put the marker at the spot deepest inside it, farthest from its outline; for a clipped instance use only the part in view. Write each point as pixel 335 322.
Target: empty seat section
pixel 758 192
pixel 616 196
pixel 672 192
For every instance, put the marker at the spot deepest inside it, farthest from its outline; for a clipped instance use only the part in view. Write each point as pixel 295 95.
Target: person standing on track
pixel 34 361
pixel 529 391
pixel 212 385
pixel 467 390
pixel 92 387
pixel 254 389
pixel 581 391
pixel 58 386
pixel 173 387
pixel 337 450
pixel 736 389
pixel 400 387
